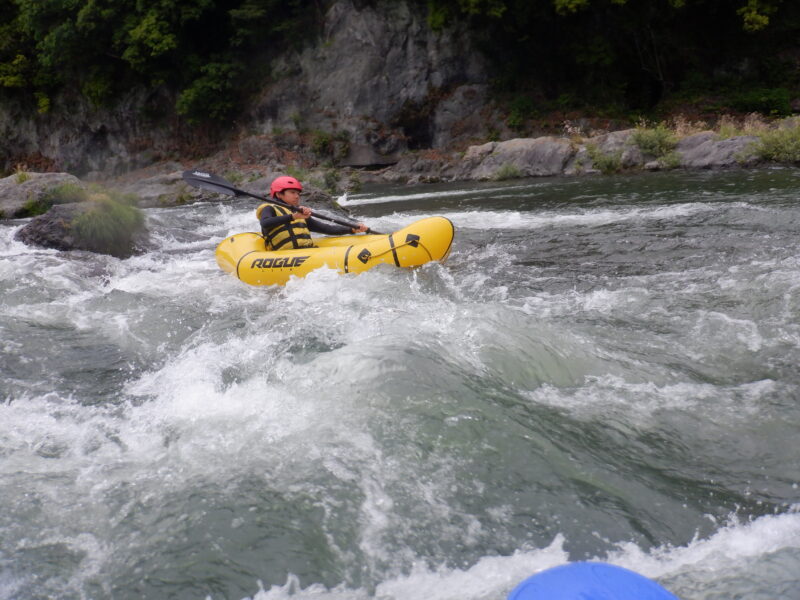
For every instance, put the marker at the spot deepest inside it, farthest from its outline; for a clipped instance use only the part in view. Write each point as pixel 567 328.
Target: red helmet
pixel 284 183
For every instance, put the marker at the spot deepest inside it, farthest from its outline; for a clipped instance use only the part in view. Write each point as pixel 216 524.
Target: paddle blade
pixel 207 181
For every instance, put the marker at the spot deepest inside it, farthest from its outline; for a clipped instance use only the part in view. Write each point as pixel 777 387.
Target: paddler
pixel 289 228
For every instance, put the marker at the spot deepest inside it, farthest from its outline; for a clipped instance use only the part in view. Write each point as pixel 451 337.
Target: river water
pixel 605 368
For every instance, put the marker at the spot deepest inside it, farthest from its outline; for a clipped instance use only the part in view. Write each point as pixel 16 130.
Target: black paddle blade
pixel 208 181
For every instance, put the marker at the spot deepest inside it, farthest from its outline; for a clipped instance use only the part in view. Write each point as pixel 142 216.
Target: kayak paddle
pixel 215 183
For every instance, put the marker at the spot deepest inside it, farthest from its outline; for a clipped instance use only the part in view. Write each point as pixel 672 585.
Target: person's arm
pixel 319 226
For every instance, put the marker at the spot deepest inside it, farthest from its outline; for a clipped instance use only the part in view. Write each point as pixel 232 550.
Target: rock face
pixel 379 80
pixel 381 77
pixel 77 137
pixel 22 193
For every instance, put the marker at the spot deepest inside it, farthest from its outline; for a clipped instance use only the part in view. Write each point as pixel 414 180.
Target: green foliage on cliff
pixel 203 51
pixel 625 55
pixel 628 55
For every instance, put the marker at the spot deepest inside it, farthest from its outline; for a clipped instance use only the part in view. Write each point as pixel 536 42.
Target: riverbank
pixel 253 161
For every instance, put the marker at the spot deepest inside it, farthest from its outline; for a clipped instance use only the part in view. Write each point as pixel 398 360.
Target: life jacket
pixel 294 234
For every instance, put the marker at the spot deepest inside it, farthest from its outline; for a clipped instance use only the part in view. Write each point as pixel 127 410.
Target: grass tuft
pixel 606 163
pixel 779 145
pixel 507 171
pixel 108 226
pixel 656 141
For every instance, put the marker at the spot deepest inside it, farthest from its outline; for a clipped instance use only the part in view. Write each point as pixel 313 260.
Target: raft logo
pixel 364 255
pixel 278 263
pixel 201 174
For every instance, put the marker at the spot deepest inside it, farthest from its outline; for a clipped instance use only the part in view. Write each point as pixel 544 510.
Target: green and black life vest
pixel 294 234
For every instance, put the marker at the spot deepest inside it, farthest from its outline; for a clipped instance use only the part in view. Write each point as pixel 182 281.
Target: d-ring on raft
pixel 245 255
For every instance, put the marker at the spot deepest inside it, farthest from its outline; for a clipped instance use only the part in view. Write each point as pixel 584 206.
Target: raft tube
pixel 244 254
pixel 589 581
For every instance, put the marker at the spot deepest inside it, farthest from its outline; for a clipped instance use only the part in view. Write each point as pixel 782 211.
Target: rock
pixel 424 167
pixel 24 194
pixel 689 143
pixel 524 157
pixel 259 149
pixel 77 136
pixel 115 229
pixel 167 189
pixel 382 77
pixel 366 155
pixel 710 152
pixel 460 116
pixel 580 163
pixel 619 142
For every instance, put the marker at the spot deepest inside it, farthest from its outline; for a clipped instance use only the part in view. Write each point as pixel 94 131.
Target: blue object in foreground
pixel 589 581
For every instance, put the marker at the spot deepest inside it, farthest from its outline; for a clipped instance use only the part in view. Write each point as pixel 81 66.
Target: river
pixel 606 368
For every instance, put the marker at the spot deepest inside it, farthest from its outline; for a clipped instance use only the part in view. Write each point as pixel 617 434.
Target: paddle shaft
pixel 216 183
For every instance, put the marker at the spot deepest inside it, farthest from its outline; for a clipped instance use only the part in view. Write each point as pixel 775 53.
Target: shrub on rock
pixel 101 223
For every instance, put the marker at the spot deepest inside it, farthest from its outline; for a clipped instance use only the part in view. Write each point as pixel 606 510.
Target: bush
pixel 671 160
pixel 522 109
pixel 779 145
pixel 768 101
pixel 605 163
pixel 108 226
pixel 656 141
pixel 65 193
pixel 507 171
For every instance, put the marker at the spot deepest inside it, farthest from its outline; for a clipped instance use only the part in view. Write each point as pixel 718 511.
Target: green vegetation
pixel 670 160
pixel 21 176
pixel 60 194
pixel 332 145
pixel 620 56
pixel 656 141
pixel 522 109
pixel 204 51
pixel 780 145
pixel 606 163
pixel 775 102
pixel 235 177
pixel 507 171
pixel 108 225
pixel 613 56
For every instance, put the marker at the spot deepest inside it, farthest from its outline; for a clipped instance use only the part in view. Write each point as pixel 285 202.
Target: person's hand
pixel 361 228
pixel 303 212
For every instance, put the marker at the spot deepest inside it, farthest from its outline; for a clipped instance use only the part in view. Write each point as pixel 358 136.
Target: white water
pixel 168 432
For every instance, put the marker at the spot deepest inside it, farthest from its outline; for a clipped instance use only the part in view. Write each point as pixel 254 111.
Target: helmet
pixel 284 183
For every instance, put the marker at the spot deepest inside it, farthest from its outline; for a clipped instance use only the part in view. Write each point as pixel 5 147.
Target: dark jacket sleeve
pixel 269 220
pixel 319 226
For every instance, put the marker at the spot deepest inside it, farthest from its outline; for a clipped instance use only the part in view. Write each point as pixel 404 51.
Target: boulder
pixel 619 142
pixel 166 189
pixel 526 157
pixel 709 152
pixel 98 225
pixel 24 194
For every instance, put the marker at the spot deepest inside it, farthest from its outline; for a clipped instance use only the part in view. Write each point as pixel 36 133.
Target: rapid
pixel 604 369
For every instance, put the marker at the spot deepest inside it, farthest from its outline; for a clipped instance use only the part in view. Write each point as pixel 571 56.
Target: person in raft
pixel 284 229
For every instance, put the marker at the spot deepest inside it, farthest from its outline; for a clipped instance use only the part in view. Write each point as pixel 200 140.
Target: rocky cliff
pixel 377 82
